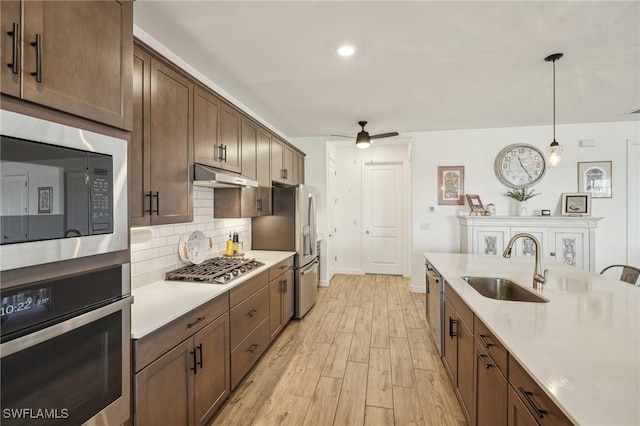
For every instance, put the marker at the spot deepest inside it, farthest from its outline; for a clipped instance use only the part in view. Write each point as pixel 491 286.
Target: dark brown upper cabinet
pixel 160 153
pixel 216 132
pixel 73 56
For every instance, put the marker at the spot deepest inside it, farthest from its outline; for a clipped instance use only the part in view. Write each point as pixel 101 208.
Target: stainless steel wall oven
pixel 66 350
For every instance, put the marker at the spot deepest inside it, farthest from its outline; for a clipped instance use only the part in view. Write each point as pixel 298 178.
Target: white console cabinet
pixel 567 239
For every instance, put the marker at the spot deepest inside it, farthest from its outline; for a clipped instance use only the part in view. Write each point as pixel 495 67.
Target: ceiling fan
pixel 363 140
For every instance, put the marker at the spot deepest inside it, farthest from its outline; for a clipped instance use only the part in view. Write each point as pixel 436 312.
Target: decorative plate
pixel 194 247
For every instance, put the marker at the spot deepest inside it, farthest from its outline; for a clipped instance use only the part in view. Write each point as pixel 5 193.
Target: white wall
pixel 477 149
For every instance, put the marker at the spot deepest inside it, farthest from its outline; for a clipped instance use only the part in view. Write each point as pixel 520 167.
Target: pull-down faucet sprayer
pixel 538 278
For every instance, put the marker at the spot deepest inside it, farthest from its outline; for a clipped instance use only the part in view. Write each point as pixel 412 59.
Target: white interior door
pixel 15 208
pixel 382 211
pixel 332 198
pixel 633 203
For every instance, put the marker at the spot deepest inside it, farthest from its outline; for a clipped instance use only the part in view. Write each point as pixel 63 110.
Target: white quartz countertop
pixel 160 302
pixel 582 346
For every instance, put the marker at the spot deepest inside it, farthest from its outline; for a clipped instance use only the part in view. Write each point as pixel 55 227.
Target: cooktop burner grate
pixel 219 270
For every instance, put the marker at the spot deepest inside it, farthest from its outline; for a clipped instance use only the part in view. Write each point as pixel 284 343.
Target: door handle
pixel 367 232
pixel 157 197
pixel 38 45
pixel 15 40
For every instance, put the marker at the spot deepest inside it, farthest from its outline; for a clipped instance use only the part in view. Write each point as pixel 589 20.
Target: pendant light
pixel 555 150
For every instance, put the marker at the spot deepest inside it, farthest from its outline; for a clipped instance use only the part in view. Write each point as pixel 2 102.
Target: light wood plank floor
pixel 361 356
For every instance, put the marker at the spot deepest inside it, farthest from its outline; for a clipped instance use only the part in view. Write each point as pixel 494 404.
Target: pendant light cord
pixel 554 100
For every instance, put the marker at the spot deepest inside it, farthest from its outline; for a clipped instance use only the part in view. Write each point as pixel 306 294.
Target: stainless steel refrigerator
pixel 292 227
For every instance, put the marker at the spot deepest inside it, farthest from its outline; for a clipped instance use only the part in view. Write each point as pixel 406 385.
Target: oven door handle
pixel 55 330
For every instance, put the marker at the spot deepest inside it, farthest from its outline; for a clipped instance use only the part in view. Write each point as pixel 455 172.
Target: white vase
pixel 522 208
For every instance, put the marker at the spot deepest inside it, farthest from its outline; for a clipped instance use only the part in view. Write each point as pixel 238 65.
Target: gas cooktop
pixel 219 270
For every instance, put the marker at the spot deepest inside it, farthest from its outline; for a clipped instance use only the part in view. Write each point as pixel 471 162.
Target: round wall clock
pixel 520 164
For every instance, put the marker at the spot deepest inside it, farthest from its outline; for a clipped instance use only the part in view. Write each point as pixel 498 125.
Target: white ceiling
pixel 419 66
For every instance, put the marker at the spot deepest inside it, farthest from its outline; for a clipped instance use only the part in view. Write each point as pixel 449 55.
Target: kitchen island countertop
pixel 160 302
pixel 582 347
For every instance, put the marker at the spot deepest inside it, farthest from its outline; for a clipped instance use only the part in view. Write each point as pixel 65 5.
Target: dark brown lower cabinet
pixel 491 390
pixel 458 356
pixel 186 385
pixel 518 415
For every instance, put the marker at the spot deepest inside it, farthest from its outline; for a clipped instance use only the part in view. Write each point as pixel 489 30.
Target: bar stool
pixel 629 274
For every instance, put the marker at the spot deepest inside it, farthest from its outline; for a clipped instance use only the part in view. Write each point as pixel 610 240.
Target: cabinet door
pixel 85 58
pixel 449 349
pixel 490 241
pixel 249 149
pixel 570 246
pixel 212 379
pixel 264 172
pixel 139 163
pixel 465 355
pixel 491 391
pixel 287 165
pixel 163 390
pixel 275 306
pixel 171 144
pixel 230 137
pixel 288 299
pixel 10 47
pixel 300 168
pixel 517 413
pixel 206 109
pixel 277 154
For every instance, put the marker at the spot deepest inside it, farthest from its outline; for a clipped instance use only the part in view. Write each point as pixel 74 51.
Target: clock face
pixel 520 165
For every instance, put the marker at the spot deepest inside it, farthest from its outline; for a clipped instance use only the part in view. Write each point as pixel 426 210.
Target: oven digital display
pixel 26 304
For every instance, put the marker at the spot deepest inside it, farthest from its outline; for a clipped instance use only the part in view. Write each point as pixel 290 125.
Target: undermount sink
pixel 502 289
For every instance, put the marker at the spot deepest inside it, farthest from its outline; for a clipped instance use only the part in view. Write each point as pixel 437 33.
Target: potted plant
pixel 521 194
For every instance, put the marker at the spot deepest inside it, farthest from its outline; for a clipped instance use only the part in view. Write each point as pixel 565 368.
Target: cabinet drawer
pixel 543 409
pixel 280 268
pixel 150 347
pixel 491 346
pixel 247 288
pixel 245 355
pixel 463 310
pixel 248 314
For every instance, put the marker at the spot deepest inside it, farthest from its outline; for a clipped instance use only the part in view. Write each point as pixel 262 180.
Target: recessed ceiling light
pixel 346 50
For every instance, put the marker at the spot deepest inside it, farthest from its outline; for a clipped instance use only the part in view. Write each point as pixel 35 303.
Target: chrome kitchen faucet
pixel 538 278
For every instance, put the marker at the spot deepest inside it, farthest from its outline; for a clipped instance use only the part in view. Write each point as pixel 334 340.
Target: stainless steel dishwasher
pixel 435 304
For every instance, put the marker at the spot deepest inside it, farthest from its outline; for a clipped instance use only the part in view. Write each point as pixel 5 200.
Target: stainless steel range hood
pixel 216 178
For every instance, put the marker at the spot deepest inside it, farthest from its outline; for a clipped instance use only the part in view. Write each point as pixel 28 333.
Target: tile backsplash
pixel 159 253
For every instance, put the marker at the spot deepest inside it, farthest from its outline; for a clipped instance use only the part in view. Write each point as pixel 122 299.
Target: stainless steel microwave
pixel 63 193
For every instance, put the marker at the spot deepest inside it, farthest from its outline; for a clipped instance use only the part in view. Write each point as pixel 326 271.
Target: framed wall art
pixel 451 185
pixel 475 204
pixel 44 199
pixel 576 204
pixel 594 177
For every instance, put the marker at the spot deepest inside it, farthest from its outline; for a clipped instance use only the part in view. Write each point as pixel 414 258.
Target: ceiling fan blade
pixel 343 136
pixel 385 135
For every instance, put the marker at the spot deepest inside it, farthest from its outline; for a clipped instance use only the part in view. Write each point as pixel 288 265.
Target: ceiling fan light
pixel 363 143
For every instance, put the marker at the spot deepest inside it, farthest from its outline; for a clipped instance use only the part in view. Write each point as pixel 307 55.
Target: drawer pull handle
pixel 452 333
pixel 486 344
pixel 254 348
pixel 283 267
pixel 527 396
pixel 486 364
pixel 252 313
pixel 191 324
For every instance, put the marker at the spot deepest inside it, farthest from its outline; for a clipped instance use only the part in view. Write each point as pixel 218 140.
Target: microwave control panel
pixel 101 202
